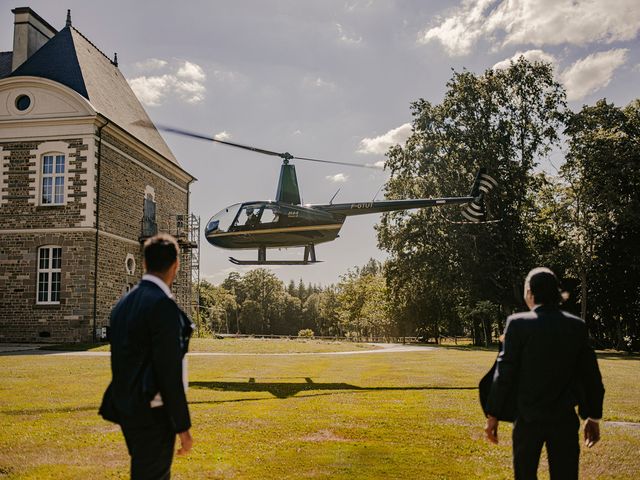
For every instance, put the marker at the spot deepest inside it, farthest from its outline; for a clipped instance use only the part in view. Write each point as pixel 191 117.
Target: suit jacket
pixel 149 337
pixel 547 360
pixel 508 410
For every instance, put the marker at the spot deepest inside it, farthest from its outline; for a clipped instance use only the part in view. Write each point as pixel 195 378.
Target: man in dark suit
pixel 149 337
pixel 547 359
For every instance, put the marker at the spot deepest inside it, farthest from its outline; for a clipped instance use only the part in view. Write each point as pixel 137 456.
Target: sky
pixel 330 79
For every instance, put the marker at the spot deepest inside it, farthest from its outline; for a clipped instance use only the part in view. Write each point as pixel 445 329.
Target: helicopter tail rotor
pixel 475 211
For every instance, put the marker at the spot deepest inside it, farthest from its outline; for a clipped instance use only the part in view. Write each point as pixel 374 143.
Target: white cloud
pixel 186 82
pixel 192 92
pixel 535 22
pixel 151 90
pixel 531 55
pixel 592 73
pixel 380 145
pixel 151 64
pixel 346 38
pixel 338 178
pixel 191 71
pixel 319 83
pixel 378 164
pixel 460 31
pixel 224 135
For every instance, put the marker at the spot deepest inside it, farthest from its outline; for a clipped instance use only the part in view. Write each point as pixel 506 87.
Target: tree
pixel 504 120
pixel 363 304
pixel 603 171
pixel 266 292
pixel 218 307
pixel 289 320
pixel 329 319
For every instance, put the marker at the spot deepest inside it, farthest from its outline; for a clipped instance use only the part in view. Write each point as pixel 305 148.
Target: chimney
pixel 30 32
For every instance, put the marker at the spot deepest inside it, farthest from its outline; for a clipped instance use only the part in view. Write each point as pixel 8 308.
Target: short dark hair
pixel 544 286
pixel 160 252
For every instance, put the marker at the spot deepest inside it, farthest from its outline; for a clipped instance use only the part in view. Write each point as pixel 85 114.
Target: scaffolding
pixel 186 229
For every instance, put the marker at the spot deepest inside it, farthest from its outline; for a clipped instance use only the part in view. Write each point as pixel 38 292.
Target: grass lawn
pixel 385 415
pixel 240 345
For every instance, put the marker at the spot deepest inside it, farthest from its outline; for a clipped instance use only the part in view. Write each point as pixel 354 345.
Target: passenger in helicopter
pixel 252 218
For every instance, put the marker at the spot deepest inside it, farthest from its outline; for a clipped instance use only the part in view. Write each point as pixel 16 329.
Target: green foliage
pixel 218 310
pixel 603 174
pixel 306 333
pixel 259 303
pixel 505 121
pixel 364 302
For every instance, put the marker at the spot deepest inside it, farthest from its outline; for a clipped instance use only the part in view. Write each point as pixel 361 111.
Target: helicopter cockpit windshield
pixel 221 221
pixel 244 216
pixel 257 215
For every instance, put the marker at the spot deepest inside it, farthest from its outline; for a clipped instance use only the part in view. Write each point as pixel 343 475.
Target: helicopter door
pixel 270 215
pixel 249 216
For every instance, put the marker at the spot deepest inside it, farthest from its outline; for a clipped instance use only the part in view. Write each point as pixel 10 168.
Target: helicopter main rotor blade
pixel 286 155
pixel 224 142
pixel 361 165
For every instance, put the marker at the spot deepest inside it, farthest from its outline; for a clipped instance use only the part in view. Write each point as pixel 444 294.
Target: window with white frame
pixel 49 274
pixel 53 168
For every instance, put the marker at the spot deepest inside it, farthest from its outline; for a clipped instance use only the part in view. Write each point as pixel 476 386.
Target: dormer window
pixel 53 169
pixel 149 224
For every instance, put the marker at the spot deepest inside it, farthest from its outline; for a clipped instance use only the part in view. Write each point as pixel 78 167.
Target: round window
pixel 23 102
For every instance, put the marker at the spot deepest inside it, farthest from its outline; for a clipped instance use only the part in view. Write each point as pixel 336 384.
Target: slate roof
pixel 71 59
pixel 5 63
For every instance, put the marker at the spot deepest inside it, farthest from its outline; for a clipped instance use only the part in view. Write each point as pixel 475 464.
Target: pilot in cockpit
pixel 252 217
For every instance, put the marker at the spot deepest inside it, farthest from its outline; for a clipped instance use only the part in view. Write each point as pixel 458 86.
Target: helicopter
pixel 285 222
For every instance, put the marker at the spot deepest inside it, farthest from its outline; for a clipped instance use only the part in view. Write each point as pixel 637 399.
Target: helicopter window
pixel 221 221
pixel 249 216
pixel 269 215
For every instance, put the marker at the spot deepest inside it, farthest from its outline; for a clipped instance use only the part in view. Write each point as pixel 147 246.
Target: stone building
pixel 85 177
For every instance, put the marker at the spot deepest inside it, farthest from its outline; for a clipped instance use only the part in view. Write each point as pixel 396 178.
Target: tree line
pixel 261 304
pixel 568 198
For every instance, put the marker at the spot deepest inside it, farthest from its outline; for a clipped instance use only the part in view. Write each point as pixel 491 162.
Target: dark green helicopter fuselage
pixel 274 225
pixel 277 224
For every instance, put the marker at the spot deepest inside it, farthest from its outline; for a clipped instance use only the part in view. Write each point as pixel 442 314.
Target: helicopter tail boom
pixel 363 208
pixel 473 211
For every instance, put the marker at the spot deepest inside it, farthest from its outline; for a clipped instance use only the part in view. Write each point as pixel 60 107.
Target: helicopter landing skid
pixel 309 258
pixel 271 262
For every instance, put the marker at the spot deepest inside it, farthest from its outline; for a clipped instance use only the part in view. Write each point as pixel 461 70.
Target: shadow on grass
pixel 494 347
pixel 277 389
pixel 286 390
pixel 44 411
pixel 73 347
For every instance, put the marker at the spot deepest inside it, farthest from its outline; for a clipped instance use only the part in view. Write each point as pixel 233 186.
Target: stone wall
pixel 125 176
pixel 21 318
pixel 20 185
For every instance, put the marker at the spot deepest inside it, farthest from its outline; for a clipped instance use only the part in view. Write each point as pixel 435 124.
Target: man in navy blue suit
pixel 149 337
pixel 547 365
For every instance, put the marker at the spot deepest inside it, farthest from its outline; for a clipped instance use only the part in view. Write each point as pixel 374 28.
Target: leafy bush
pixel 306 333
